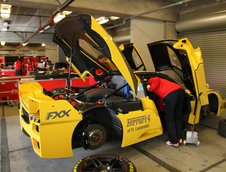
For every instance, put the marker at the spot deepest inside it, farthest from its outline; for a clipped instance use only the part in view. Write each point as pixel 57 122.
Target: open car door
pixel 133 57
pixel 83 39
pixel 185 61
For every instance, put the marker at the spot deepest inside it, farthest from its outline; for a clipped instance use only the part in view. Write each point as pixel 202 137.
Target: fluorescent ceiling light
pixel 47 27
pixel 102 20
pixel 114 17
pixel 66 13
pixel 2 43
pixel 43 44
pixel 58 17
pixel 5 11
pixel 24 44
pixel 61 15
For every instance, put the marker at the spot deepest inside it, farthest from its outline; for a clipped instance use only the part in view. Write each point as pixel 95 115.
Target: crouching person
pixel 172 95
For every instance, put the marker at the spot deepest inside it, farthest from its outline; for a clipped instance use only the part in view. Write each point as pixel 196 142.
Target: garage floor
pixel 151 155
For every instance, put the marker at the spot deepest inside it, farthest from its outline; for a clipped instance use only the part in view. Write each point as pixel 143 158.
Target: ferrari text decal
pixel 138 120
pixel 138 123
pixel 61 114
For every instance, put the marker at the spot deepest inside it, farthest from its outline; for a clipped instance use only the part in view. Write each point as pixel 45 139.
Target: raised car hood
pixel 88 40
pixel 160 54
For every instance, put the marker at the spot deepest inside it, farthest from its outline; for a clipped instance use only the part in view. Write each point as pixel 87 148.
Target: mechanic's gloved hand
pixel 148 86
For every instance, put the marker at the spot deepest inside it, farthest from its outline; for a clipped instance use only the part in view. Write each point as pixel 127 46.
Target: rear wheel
pixel 108 163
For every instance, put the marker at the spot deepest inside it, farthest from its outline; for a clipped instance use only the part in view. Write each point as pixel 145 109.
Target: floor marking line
pixel 213 165
pixel 157 160
pixel 5 162
pixel 29 147
pixel 5 117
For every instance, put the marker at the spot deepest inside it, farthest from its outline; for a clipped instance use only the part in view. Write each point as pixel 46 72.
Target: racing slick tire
pixel 100 163
pixel 222 127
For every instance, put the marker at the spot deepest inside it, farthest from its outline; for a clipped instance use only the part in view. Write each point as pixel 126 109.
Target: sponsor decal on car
pixel 55 114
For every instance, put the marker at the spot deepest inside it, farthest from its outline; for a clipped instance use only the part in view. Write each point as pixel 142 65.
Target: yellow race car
pixel 119 104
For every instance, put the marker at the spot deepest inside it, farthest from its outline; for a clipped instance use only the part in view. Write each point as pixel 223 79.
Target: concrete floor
pixel 151 155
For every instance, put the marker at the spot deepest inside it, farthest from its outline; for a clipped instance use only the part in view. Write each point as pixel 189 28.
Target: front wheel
pixel 95 136
pixel 108 163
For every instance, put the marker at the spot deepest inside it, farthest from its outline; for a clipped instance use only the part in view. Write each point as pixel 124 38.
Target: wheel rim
pixel 104 163
pixel 95 136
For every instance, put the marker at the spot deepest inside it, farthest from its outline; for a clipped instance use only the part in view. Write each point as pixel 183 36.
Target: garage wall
pixel 51 52
pixel 213 47
pixel 144 31
pixel 61 55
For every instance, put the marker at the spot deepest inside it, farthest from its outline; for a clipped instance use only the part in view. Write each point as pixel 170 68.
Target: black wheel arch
pixel 213 103
pixel 99 115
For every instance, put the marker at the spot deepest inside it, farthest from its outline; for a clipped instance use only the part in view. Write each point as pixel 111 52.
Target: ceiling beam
pixel 15 37
pixel 114 7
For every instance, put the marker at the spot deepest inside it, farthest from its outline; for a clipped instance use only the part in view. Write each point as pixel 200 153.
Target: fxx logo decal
pixel 61 114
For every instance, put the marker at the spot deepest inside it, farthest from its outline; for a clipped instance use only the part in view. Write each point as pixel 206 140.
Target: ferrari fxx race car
pixel 119 105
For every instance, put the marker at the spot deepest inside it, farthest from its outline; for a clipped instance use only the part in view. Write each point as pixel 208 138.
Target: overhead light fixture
pixel 45 28
pixel 102 20
pixel 5 11
pixel 24 44
pixel 66 13
pixel 2 43
pixel 43 44
pixel 58 17
pixel 61 15
pixel 114 17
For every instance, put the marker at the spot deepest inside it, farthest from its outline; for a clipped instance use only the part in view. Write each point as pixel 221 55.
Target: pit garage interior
pixel 140 22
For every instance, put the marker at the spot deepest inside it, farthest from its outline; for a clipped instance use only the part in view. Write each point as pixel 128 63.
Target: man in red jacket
pixel 18 67
pixel 172 95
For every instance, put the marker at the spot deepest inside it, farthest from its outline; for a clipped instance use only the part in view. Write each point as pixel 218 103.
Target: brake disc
pixel 95 135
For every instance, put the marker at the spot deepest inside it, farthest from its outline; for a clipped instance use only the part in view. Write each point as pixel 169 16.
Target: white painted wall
pixel 144 31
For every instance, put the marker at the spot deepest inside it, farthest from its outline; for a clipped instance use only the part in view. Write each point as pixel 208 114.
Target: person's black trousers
pixel 173 103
